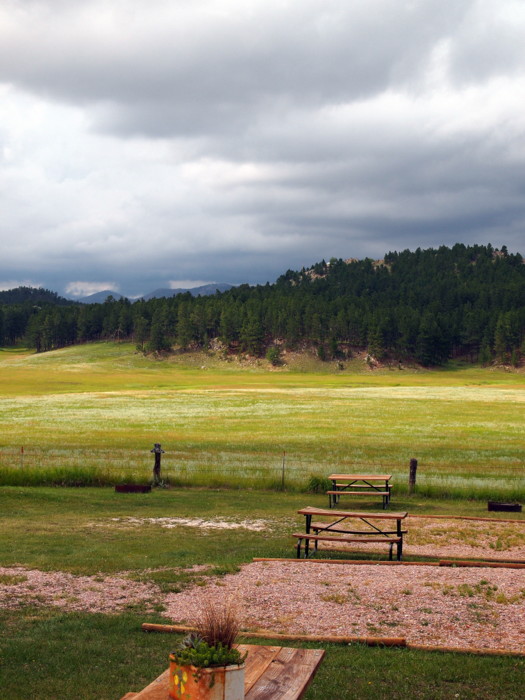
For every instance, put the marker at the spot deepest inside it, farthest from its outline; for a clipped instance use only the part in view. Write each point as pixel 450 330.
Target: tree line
pixel 425 306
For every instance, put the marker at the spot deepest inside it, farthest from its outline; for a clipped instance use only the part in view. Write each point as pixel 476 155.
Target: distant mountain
pixel 204 290
pixel 99 297
pixel 34 295
pixel 22 295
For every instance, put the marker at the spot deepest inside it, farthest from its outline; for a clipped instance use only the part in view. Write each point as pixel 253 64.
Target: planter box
pixel 506 507
pixel 132 488
pixel 219 683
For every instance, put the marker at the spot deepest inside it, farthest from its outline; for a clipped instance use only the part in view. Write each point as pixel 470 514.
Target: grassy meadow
pixel 51 653
pixel 90 415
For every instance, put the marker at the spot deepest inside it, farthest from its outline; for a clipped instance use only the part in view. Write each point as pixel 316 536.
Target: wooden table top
pixel 331 512
pixel 360 477
pixel 272 673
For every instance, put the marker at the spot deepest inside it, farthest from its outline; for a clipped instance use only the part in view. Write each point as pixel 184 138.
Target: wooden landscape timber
pixel 368 641
pixel 378 562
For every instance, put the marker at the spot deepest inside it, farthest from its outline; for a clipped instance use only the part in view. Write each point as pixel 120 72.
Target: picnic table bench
pixel 359 485
pixel 334 532
pixel 272 673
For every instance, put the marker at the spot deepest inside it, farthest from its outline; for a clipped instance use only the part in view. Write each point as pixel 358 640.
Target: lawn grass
pixel 91 414
pixel 48 654
pixel 45 651
pixel 87 530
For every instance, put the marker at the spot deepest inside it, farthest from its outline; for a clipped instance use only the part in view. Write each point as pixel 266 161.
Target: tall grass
pixel 269 475
pixel 91 415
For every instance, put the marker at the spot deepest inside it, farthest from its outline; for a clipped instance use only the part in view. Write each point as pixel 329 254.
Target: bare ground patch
pixel 202 523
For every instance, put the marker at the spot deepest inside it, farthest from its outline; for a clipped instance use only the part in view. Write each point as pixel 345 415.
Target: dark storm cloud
pixel 147 142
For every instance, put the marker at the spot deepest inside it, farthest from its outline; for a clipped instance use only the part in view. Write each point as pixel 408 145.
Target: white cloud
pixel 82 289
pixel 13 283
pixel 188 284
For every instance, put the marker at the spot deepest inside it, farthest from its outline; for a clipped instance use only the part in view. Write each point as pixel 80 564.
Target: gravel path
pixel 459 607
pixel 478 608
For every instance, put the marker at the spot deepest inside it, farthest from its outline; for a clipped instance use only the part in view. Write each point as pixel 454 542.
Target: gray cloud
pixel 148 142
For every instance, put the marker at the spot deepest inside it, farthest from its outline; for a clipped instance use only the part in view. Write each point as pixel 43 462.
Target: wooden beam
pixel 369 641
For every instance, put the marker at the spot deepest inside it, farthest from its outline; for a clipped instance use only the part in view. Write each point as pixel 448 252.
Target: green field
pixel 47 653
pixel 93 412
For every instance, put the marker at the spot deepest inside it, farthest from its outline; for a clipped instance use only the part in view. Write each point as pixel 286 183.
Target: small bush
pixel 202 655
pixel 318 484
pixel 273 355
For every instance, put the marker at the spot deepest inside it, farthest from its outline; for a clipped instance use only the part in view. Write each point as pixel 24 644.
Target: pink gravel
pixel 481 608
pixel 476 608
pixel 63 590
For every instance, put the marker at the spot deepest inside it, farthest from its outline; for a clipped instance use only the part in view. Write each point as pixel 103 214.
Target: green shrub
pixel 273 355
pixel 318 484
pixel 194 651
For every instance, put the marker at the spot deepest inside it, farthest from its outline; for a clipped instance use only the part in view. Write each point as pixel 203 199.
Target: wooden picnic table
pixel 359 485
pixel 334 532
pixel 272 673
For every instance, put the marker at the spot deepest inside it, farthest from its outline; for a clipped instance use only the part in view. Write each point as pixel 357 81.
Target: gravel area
pixel 477 608
pixel 458 539
pixel 20 586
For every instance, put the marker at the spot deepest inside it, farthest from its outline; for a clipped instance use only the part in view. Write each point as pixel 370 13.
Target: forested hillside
pixel 427 306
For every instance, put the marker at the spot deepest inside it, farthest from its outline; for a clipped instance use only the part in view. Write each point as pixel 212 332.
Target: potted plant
pixel 205 665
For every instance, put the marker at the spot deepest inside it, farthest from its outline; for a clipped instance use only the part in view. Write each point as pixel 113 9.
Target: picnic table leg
pixel 307 541
pixel 332 497
pixel 299 541
pixel 400 543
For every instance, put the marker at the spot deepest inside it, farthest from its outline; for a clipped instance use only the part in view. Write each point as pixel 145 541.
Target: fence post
pixel 412 476
pixel 22 457
pixel 157 451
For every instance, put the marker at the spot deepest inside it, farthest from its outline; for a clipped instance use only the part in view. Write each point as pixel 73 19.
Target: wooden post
pixel 412 476
pixel 157 451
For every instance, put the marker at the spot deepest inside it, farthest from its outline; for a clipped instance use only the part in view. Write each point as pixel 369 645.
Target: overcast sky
pixel 154 143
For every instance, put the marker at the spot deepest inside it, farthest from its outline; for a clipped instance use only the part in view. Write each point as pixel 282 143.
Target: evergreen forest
pixel 423 306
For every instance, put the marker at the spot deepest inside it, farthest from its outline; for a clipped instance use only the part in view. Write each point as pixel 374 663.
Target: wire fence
pixel 34 465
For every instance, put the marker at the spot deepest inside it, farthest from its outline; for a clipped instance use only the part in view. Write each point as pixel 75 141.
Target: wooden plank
pixel 157 690
pixel 361 477
pixel 358 493
pixel 259 658
pixel 282 672
pixel 288 676
pixel 361 486
pixel 483 564
pixel 334 538
pixel 355 562
pixel 335 527
pixel 270 634
pixel 331 513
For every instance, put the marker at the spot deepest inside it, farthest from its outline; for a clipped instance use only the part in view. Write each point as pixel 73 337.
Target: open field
pixel 93 412
pixel 93 565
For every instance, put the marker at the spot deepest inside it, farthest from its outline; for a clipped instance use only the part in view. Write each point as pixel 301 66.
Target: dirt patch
pixel 256 525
